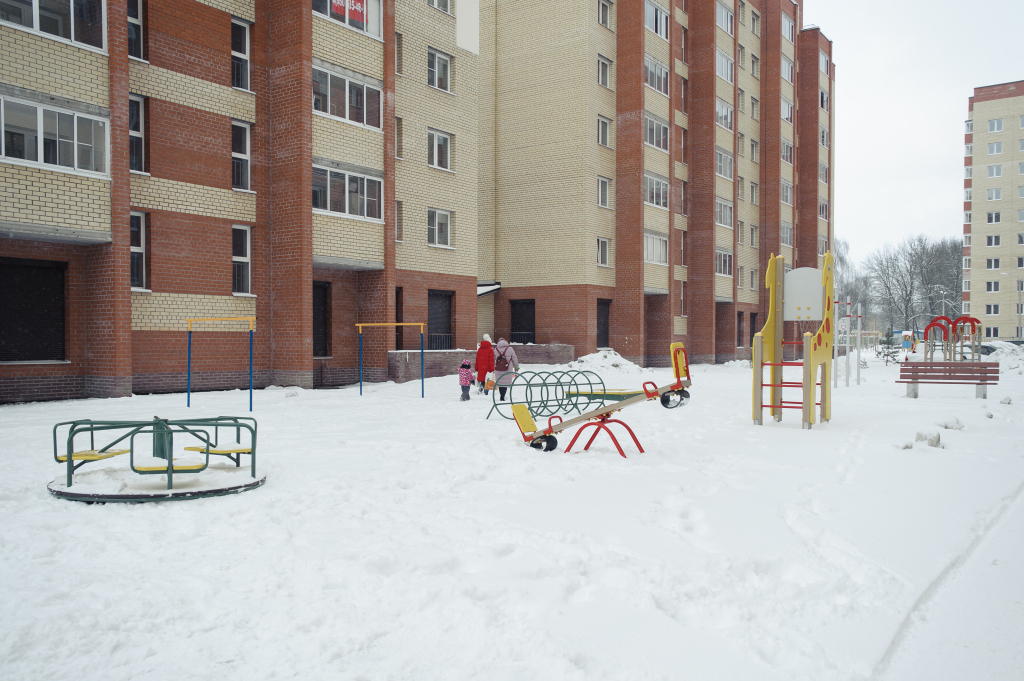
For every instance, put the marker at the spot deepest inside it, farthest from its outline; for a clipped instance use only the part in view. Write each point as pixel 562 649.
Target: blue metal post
pixel 360 361
pixel 423 390
pixel 250 369
pixel 188 380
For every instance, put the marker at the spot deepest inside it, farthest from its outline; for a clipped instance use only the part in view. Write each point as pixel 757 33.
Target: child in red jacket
pixel 465 378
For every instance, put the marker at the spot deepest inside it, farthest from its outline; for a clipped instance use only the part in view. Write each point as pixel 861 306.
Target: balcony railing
pixel 440 341
pixel 522 337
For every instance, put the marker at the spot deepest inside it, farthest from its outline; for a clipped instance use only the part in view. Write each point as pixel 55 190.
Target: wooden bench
pixel 979 374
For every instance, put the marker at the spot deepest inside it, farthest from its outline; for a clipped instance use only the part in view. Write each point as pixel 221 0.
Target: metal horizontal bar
pixel 782 364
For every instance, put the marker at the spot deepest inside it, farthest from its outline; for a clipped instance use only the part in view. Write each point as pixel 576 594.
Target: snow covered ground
pixel 401 538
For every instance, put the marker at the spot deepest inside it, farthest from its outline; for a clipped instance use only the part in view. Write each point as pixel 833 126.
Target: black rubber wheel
pixel 675 398
pixel 538 443
pixel 552 443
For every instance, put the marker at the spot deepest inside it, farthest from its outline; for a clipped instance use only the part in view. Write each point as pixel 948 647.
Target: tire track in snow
pixel 946 575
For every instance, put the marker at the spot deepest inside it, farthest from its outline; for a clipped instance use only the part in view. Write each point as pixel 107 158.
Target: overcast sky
pixel 904 72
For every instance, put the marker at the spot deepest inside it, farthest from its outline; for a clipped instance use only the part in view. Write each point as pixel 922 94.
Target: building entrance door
pixel 439 320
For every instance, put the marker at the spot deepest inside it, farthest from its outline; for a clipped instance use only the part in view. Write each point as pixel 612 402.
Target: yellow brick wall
pixel 46 197
pixel 600 161
pixel 656 103
pixel 244 9
pixel 181 197
pixel 341 141
pixel 656 219
pixel 38 63
pixel 656 276
pixel 485 315
pixel 679 325
pixel 341 237
pixel 170 86
pixel 168 311
pixel 359 52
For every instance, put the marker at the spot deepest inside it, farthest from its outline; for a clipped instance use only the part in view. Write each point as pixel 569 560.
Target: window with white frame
pixel 724 67
pixel 239 54
pixel 755 23
pixel 723 262
pixel 787 151
pixel 822 172
pixel 967 240
pixel 966 307
pixel 755 151
pixel 755 109
pixel 786 233
pixel 346 98
pixel 604 69
pixel 788 28
pixel 753 280
pixel 755 197
pixel 240 148
pixel 51 137
pixel 657 133
pixel 967 263
pixel 967 194
pixel 993 240
pixel 991 287
pixel 438 150
pixel 741 191
pixel 364 16
pixel 441 5
pixel 995 125
pixel 1020 169
pixel 723 163
pixel 656 19
pixel 823 99
pixel 655 249
pixel 439 70
pixel 787 110
pixel 992 263
pixel 967 217
pixel 966 286
pixel 755 66
pixel 992 310
pixel 742 57
pixel 725 19
pixel 604 13
pixel 137 245
pixel 822 245
pixel 743 12
pixel 439 227
pixel 968 127
pixel 741 229
pixel 786 192
pixel 995 194
pixel 788 69
pixel 741 144
pixel 346 193
pixel 753 236
pixel 1020 215
pixel 995 148
pixel 603 185
pixel 656 75
pixel 723 213
pixel 134 28
pixel 724 114
pixel 991 332
pixel 603 127
pixel 823 136
pixel 241 249
pixel 995 171
pixel 994 217
pixel 136 134
pixel 968 150
pixel 741 98
pixel 602 252
pixel 968 172
pixel 655 191
pixel 79 21
pixel 823 208
pixel 823 63
pixel 740 280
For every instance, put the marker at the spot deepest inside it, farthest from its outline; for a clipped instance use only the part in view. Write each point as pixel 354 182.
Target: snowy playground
pixel 406 538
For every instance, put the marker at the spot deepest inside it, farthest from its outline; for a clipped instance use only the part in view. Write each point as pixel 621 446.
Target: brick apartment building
pixel 994 145
pixel 320 163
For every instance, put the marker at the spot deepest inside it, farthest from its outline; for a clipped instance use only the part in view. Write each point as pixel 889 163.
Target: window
pixel 604 68
pixel 1020 169
pixel 995 148
pixel 823 99
pixel 725 19
pixel 753 233
pixel 743 12
pixel 823 172
pixel 136 134
pixel 992 240
pixel 399 138
pixel 991 287
pixel 723 164
pixel 399 53
pixel 724 67
pixel 723 114
pixel 655 249
pixel 788 69
pixel 966 306
pixel 79 21
pixel 68 140
pixel 823 208
pixel 656 75
pixel 967 240
pixel 787 151
pixel 656 19
pixel 967 194
pixel 239 55
pixel 787 110
pixel 754 196
pixel 741 144
pixel 439 227
pixel 399 221
pixel 991 332
pixel 438 4
pixel 753 280
pixel 723 213
pixel 741 189
pixel 438 150
pixel 822 245
pixel 346 99
pixel 755 109
pixel 743 57
pixel 740 231
pixel 657 133
pixel 995 125
pixel 602 251
pixel 740 279
pixel 966 286
pixel 134 28
pixel 788 28
pixel 823 136
pixel 968 172
pixel 755 23
pixel 995 171
pixel 786 192
pixel 347 193
pixel 439 70
pixel 604 13
pixel 968 150
pixel 741 96
pixel 755 151
pixel 603 184
pixel 723 263
pixel 755 66
pixel 655 191
pixel 994 218
pixel 240 155
pixel 786 233
pixel 364 16
pixel 967 263
pixel 992 264
pixel 823 61
pixel 995 194
pixel 992 310
pixel 967 218
pixel 240 260
pixel 603 124
pixel 1020 215
pixel 968 127
pixel 137 243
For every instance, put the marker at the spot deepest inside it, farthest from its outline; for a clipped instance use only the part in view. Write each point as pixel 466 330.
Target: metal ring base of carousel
pixel 185 489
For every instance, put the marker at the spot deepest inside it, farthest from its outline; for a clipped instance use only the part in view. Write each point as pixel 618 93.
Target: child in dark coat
pixel 465 378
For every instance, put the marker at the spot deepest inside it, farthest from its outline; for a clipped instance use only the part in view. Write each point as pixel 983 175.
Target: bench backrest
pixel 981 372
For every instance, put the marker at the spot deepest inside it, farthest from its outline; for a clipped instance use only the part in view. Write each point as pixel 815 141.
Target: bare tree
pixel 894 279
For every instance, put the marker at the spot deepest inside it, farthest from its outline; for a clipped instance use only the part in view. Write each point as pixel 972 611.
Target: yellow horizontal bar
pixel 251 320
pixel 421 325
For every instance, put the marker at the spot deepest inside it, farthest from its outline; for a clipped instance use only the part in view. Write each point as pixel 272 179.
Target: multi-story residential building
pixel 617 178
pixel 994 209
